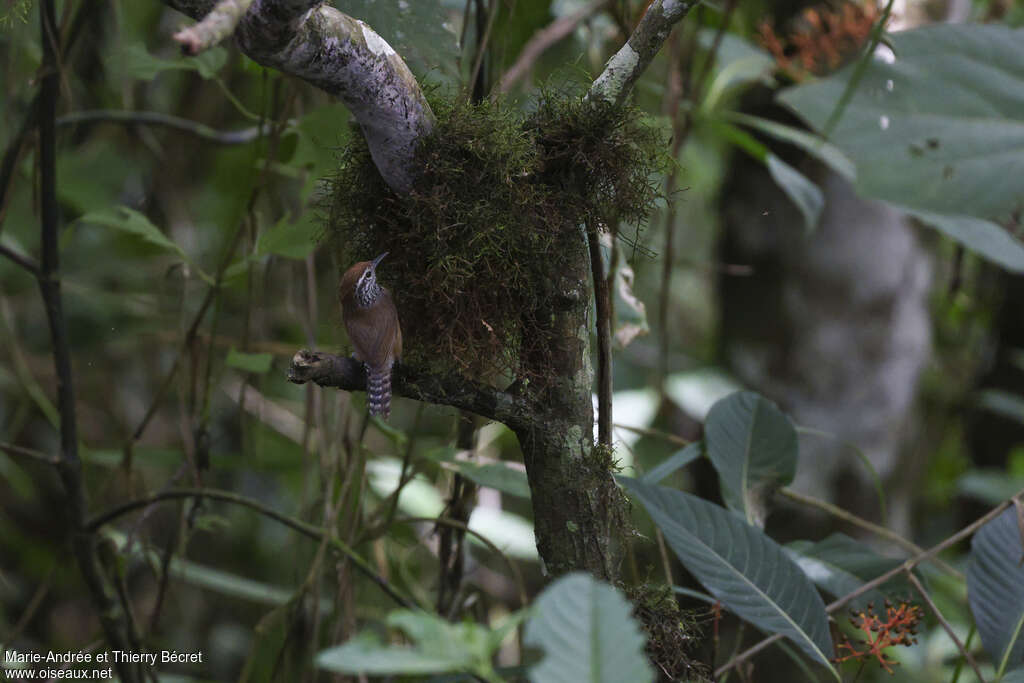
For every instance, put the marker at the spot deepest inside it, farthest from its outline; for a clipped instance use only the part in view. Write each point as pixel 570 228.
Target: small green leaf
pixel 802 192
pixel 588 635
pixel 210 61
pixel 753 445
pixel 258 363
pixel 130 221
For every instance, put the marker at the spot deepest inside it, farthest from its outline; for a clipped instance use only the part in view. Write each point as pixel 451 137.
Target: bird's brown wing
pixel 375 332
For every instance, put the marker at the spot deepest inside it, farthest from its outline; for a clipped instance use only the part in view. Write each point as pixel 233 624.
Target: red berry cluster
pixel 897 626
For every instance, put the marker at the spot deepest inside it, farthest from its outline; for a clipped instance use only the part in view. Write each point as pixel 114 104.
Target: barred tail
pixel 378 390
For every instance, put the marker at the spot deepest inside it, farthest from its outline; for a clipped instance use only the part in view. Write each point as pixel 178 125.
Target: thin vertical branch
pixel 111 613
pixel 945 624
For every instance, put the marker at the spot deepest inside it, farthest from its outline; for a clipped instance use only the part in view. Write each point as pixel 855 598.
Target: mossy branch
pixel 346 58
pixel 625 67
pixel 343 372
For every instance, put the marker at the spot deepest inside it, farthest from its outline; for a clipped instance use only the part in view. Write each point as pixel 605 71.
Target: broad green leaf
pixel 841 565
pixel 937 129
pixel 130 221
pixel 258 363
pixel 995 589
pixel 291 239
pixel 753 446
pixel 747 571
pixel 587 633
pixel 1015 676
pixel 941 127
pixel 676 461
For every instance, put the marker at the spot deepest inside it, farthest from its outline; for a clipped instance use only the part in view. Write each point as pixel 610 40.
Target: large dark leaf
pixel 753 446
pixel 747 571
pixel 938 129
pixel 995 589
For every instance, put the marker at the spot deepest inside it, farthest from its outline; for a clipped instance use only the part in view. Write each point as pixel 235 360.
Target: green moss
pixel 478 246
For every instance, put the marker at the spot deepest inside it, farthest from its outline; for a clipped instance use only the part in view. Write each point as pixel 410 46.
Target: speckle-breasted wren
pixel 371 320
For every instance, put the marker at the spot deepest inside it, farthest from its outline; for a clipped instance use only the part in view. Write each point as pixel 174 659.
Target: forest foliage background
pixel 191 205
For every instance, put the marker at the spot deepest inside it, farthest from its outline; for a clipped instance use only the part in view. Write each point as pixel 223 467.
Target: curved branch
pixel 346 58
pixel 154 118
pixel 624 68
pixel 342 372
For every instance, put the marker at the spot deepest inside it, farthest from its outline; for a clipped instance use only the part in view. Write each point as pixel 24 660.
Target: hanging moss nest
pixel 479 248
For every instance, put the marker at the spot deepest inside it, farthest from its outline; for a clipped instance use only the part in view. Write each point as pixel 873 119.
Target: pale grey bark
pixel 346 58
pixel 623 70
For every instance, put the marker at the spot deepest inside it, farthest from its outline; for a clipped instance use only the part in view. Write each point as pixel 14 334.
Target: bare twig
pixel 945 624
pixel 966 532
pixel 517 576
pixel 846 516
pixel 24 261
pixel 543 39
pixel 154 118
pixel 30 453
pixel 112 615
pixel 656 433
pixel 214 27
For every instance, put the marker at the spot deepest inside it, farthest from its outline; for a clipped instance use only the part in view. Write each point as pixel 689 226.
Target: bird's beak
pixel 373 264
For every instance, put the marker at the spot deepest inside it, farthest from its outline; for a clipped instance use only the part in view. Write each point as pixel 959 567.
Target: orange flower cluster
pixel 898 626
pixel 821 38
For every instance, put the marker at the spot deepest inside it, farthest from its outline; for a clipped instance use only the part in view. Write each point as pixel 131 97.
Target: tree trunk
pixel 579 511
